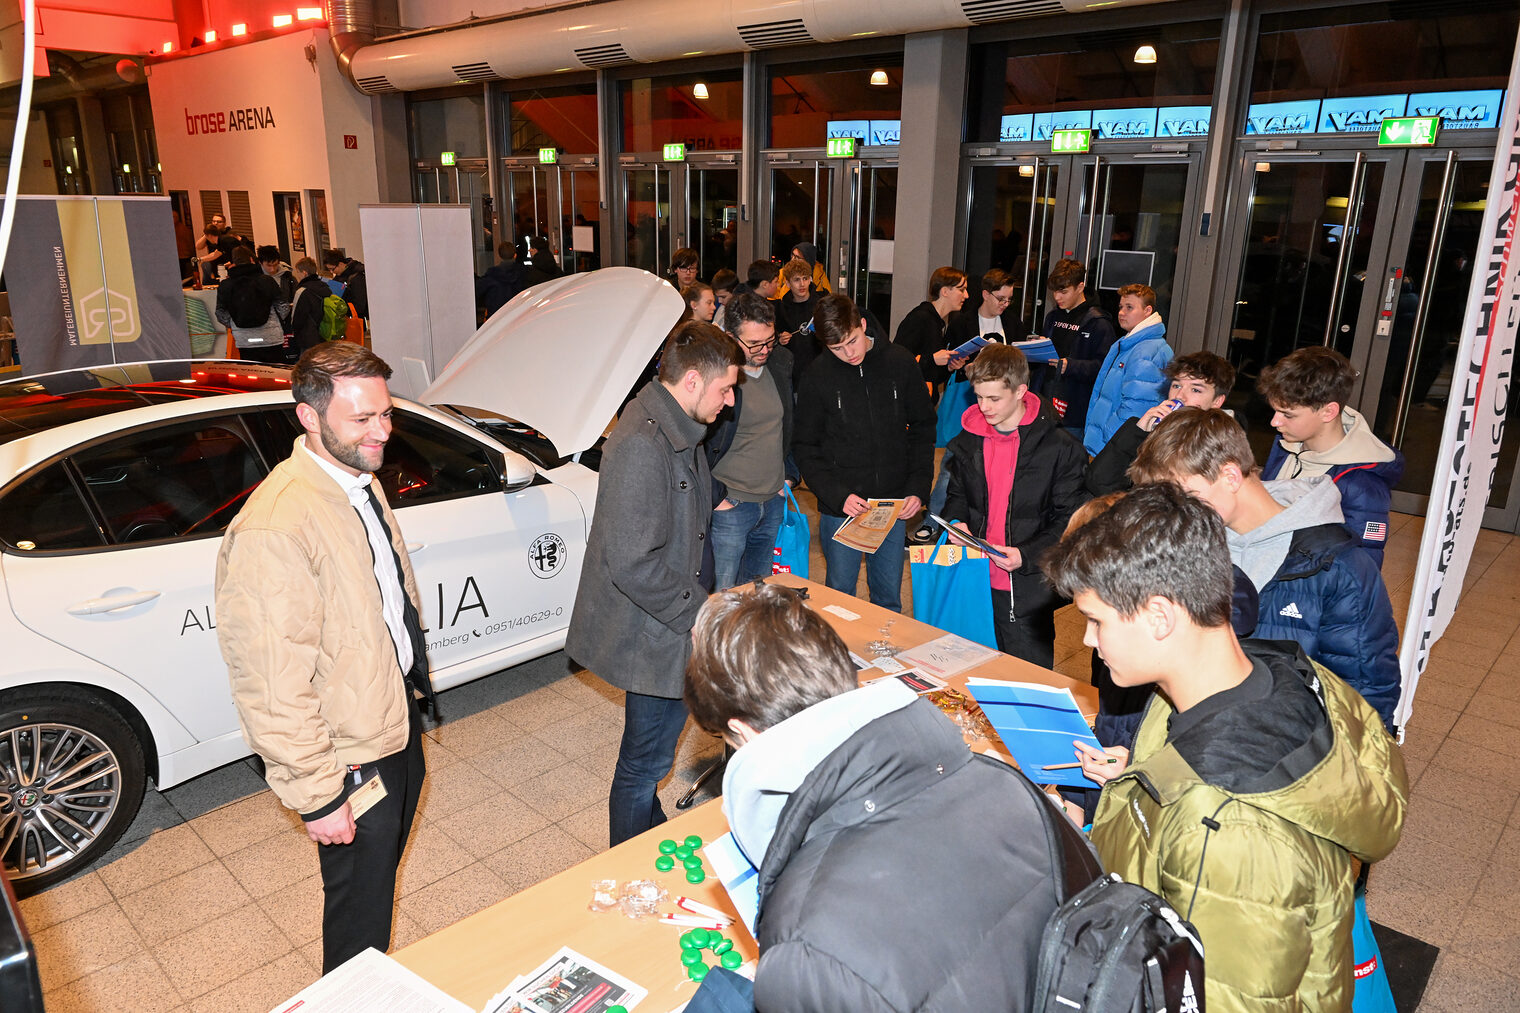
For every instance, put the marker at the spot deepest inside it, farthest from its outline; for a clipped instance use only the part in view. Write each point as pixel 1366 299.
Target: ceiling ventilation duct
pixel 613 33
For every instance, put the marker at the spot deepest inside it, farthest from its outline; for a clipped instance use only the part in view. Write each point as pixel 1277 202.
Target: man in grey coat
pixel 648 569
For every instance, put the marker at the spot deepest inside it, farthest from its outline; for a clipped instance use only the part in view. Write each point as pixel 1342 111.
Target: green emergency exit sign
pixel 1070 142
pixel 841 147
pixel 548 155
pixel 447 158
pixel 675 152
pixel 1409 131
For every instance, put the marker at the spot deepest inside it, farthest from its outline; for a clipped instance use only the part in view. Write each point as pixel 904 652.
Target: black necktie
pixel 417 678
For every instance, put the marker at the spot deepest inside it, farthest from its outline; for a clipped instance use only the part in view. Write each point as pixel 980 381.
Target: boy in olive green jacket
pixel 1257 775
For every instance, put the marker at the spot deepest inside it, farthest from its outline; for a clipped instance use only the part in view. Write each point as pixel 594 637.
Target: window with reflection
pixel 1161 78
pixel 454 123
pixel 563 118
pixel 861 99
pixel 704 111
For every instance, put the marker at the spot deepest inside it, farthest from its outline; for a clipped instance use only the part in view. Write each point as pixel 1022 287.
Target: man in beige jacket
pixel 318 622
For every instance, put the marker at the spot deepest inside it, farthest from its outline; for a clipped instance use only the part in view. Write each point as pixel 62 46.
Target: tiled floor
pixel 212 902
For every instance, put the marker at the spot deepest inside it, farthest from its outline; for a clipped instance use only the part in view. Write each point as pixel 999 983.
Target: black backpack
pixel 1118 948
pixel 250 299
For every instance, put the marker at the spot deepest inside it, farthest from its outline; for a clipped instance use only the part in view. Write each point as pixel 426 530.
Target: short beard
pixel 343 453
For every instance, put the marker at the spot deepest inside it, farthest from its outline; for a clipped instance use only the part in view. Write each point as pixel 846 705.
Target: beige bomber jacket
pixel 298 615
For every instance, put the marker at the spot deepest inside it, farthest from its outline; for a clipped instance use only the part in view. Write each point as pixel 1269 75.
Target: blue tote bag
pixel 1373 994
pixel 794 540
pixel 953 592
pixel 958 396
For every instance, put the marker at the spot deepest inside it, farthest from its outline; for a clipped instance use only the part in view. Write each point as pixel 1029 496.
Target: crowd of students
pixel 1243 640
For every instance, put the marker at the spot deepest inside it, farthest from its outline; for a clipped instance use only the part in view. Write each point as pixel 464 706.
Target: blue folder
pixel 1037 725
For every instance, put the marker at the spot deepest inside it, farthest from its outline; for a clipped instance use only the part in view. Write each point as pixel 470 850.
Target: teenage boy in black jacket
pixel 1082 333
pixel 864 429
pixel 306 307
pixel 1015 479
pixel 922 331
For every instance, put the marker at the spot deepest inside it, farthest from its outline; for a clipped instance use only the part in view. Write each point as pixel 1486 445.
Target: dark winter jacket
pixel 796 318
pixel 1317 587
pixel 356 288
pixel 866 430
pixel 922 333
pixel 720 435
pixel 306 313
pixel 1082 336
pixel 499 284
pixel 963 326
pixel 853 915
pixel 642 583
pixel 1363 468
pixel 1047 489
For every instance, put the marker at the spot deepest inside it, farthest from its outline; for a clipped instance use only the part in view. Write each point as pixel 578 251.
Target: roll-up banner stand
pixel 1476 413
pixel 421 283
pixel 95 280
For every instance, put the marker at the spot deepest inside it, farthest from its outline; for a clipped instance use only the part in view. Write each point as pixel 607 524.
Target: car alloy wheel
pixel 71 780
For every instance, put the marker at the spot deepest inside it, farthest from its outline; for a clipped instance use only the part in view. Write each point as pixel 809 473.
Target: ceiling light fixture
pixel 879 78
pixel 211 35
pixel 700 91
pixel 1145 54
pixel 308 14
pixel 239 30
pixel 281 20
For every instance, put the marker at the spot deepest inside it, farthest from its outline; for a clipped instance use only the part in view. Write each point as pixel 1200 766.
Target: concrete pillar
pixel 928 163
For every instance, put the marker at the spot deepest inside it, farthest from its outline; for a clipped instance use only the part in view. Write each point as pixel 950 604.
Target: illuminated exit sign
pixel 841 147
pixel 548 155
pixel 1070 142
pixel 675 152
pixel 1409 131
pixel 448 158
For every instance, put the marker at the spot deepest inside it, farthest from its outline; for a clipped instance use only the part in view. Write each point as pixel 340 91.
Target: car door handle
pixel 412 548
pixel 111 603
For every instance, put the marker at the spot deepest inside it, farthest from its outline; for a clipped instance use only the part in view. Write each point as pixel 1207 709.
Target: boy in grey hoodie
pixel 1317 586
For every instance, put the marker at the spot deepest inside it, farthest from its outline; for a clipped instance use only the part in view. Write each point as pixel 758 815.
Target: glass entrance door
pixel 868 208
pixel 1012 225
pixel 580 240
pixel 799 208
pixel 1129 225
pixel 1307 251
pixel 648 233
pixel 712 215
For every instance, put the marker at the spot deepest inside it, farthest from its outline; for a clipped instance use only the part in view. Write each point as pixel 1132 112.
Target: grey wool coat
pixel 641 584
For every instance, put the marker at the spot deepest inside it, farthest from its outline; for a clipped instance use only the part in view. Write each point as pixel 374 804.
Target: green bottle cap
pixel 693 862
pixel 722 946
pixel 664 863
pixel 693 842
pixel 696 972
pixel 683 852
pixel 668 847
pixel 700 938
pixel 691 957
pixel 695 875
pixel 731 959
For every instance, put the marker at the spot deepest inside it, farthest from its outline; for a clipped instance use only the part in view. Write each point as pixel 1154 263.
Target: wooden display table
pixel 475 958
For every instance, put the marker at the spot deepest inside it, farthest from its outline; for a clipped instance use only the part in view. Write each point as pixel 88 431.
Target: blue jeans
pixel 941 489
pixel 744 540
pixel 884 567
pixel 651 726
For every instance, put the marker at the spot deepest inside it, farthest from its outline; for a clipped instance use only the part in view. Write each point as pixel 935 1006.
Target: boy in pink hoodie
pixel 1015 479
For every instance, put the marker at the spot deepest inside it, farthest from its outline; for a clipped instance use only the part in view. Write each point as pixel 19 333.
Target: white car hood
pixel 561 356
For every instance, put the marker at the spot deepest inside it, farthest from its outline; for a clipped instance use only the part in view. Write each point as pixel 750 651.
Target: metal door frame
pixel 667 225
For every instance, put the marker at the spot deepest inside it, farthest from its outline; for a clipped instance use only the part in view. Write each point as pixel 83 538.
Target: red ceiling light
pixel 281 20
pixel 308 14
pixel 211 35
pixel 168 47
pixel 239 30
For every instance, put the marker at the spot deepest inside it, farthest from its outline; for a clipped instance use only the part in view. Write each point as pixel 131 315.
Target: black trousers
pixel 1031 633
pixel 359 879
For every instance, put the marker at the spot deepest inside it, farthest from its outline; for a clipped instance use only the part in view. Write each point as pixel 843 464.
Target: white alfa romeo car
pixel 116 483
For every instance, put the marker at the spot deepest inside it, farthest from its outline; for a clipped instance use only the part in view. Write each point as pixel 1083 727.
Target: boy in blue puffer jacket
pixel 1308 391
pixel 1317 587
pixel 1130 380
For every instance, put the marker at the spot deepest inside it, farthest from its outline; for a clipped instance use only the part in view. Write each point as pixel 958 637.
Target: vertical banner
pixel 421 287
pixel 1475 415
pixel 95 280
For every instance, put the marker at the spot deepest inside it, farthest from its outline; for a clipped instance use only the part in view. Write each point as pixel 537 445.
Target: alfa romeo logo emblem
pixel 28 798
pixel 546 555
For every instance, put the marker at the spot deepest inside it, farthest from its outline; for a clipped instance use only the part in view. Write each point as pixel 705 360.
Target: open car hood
pixel 561 356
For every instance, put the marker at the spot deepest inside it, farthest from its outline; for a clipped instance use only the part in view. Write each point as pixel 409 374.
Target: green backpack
pixel 334 318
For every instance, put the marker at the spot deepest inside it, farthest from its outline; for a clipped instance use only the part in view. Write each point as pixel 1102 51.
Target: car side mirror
pixel 517 472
